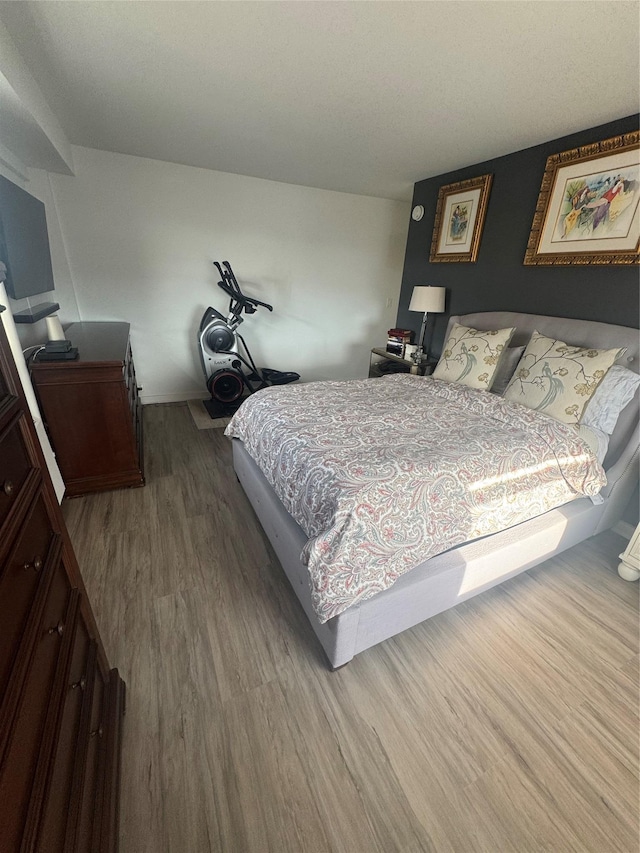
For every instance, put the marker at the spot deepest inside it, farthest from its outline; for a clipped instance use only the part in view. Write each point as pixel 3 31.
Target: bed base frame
pixel 463 572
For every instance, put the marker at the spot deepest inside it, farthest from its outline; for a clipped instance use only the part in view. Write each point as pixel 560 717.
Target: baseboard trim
pixel 623 528
pixel 177 397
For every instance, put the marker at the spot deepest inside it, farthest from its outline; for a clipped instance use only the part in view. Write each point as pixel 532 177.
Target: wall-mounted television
pixel 24 242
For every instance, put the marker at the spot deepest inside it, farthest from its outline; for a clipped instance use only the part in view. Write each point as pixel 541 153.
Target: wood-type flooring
pixel 509 723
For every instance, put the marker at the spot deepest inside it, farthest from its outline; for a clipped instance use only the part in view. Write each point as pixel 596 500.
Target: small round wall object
pixel 417 213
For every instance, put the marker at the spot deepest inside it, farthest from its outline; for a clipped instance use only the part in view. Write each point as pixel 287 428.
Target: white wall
pixel 134 239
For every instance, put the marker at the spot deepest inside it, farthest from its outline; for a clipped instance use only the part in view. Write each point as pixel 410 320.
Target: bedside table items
pixel 419 356
pixel 429 300
pixel 397 340
pixel 410 350
pixel 382 362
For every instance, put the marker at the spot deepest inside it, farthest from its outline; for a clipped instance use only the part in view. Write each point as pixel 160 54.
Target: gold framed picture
pixel 459 221
pixel 588 209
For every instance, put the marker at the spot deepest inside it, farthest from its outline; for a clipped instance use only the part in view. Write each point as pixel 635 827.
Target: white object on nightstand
pixel 629 567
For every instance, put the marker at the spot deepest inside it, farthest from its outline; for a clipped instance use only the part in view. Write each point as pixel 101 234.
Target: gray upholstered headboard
pixel 621 460
pixel 576 332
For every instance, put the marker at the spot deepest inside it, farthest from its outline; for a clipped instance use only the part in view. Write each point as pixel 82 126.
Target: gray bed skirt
pixel 435 585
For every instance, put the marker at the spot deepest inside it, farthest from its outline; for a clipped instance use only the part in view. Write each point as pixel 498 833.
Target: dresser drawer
pixel 24 748
pixel 88 827
pixel 64 782
pixel 15 466
pixel 20 579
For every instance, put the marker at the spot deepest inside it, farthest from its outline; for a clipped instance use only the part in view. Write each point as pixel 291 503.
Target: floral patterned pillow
pixel 471 357
pixel 559 379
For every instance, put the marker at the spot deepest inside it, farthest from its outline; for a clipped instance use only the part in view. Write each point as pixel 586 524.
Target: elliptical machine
pixel 229 369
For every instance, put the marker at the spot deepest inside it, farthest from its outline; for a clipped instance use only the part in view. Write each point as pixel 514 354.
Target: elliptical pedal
pixel 218 410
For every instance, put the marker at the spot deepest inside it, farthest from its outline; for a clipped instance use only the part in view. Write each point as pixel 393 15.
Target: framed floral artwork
pixel 588 209
pixel 459 221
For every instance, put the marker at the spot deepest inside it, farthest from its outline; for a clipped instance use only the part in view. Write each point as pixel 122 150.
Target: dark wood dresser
pixel 60 704
pixel 92 410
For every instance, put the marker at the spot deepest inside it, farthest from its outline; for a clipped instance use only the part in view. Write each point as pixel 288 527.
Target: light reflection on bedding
pixel 532 469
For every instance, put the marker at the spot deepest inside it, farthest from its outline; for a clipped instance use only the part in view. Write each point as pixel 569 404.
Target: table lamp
pixel 429 300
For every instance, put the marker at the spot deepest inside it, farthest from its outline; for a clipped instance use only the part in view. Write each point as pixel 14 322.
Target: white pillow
pixel 614 393
pixel 597 440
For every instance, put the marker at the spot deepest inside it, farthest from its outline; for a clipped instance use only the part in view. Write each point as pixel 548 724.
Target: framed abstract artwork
pixel 460 214
pixel 588 209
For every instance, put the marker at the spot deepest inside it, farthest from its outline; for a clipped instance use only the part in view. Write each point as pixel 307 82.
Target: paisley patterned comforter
pixel 383 473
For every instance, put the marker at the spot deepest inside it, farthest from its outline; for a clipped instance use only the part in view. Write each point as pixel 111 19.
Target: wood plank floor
pixel 509 723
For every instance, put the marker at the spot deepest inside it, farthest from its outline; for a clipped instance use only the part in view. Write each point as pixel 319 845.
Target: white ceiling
pixel 363 97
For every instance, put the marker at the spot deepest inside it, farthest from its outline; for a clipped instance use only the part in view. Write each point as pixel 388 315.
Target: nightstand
pixel 382 362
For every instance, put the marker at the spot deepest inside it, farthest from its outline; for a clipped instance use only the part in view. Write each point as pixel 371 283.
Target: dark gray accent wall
pixel 498 280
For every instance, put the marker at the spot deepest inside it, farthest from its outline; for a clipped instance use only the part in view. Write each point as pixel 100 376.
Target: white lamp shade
pixel 428 300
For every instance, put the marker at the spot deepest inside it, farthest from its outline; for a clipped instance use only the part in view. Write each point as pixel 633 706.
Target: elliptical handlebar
pixel 229 284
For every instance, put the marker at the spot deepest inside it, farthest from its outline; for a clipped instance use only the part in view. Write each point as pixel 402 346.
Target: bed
pixel 450 570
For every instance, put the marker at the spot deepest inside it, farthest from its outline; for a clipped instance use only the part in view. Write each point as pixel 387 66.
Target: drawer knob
pixel 36 565
pixel 57 629
pixel 81 684
pixel 7 488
